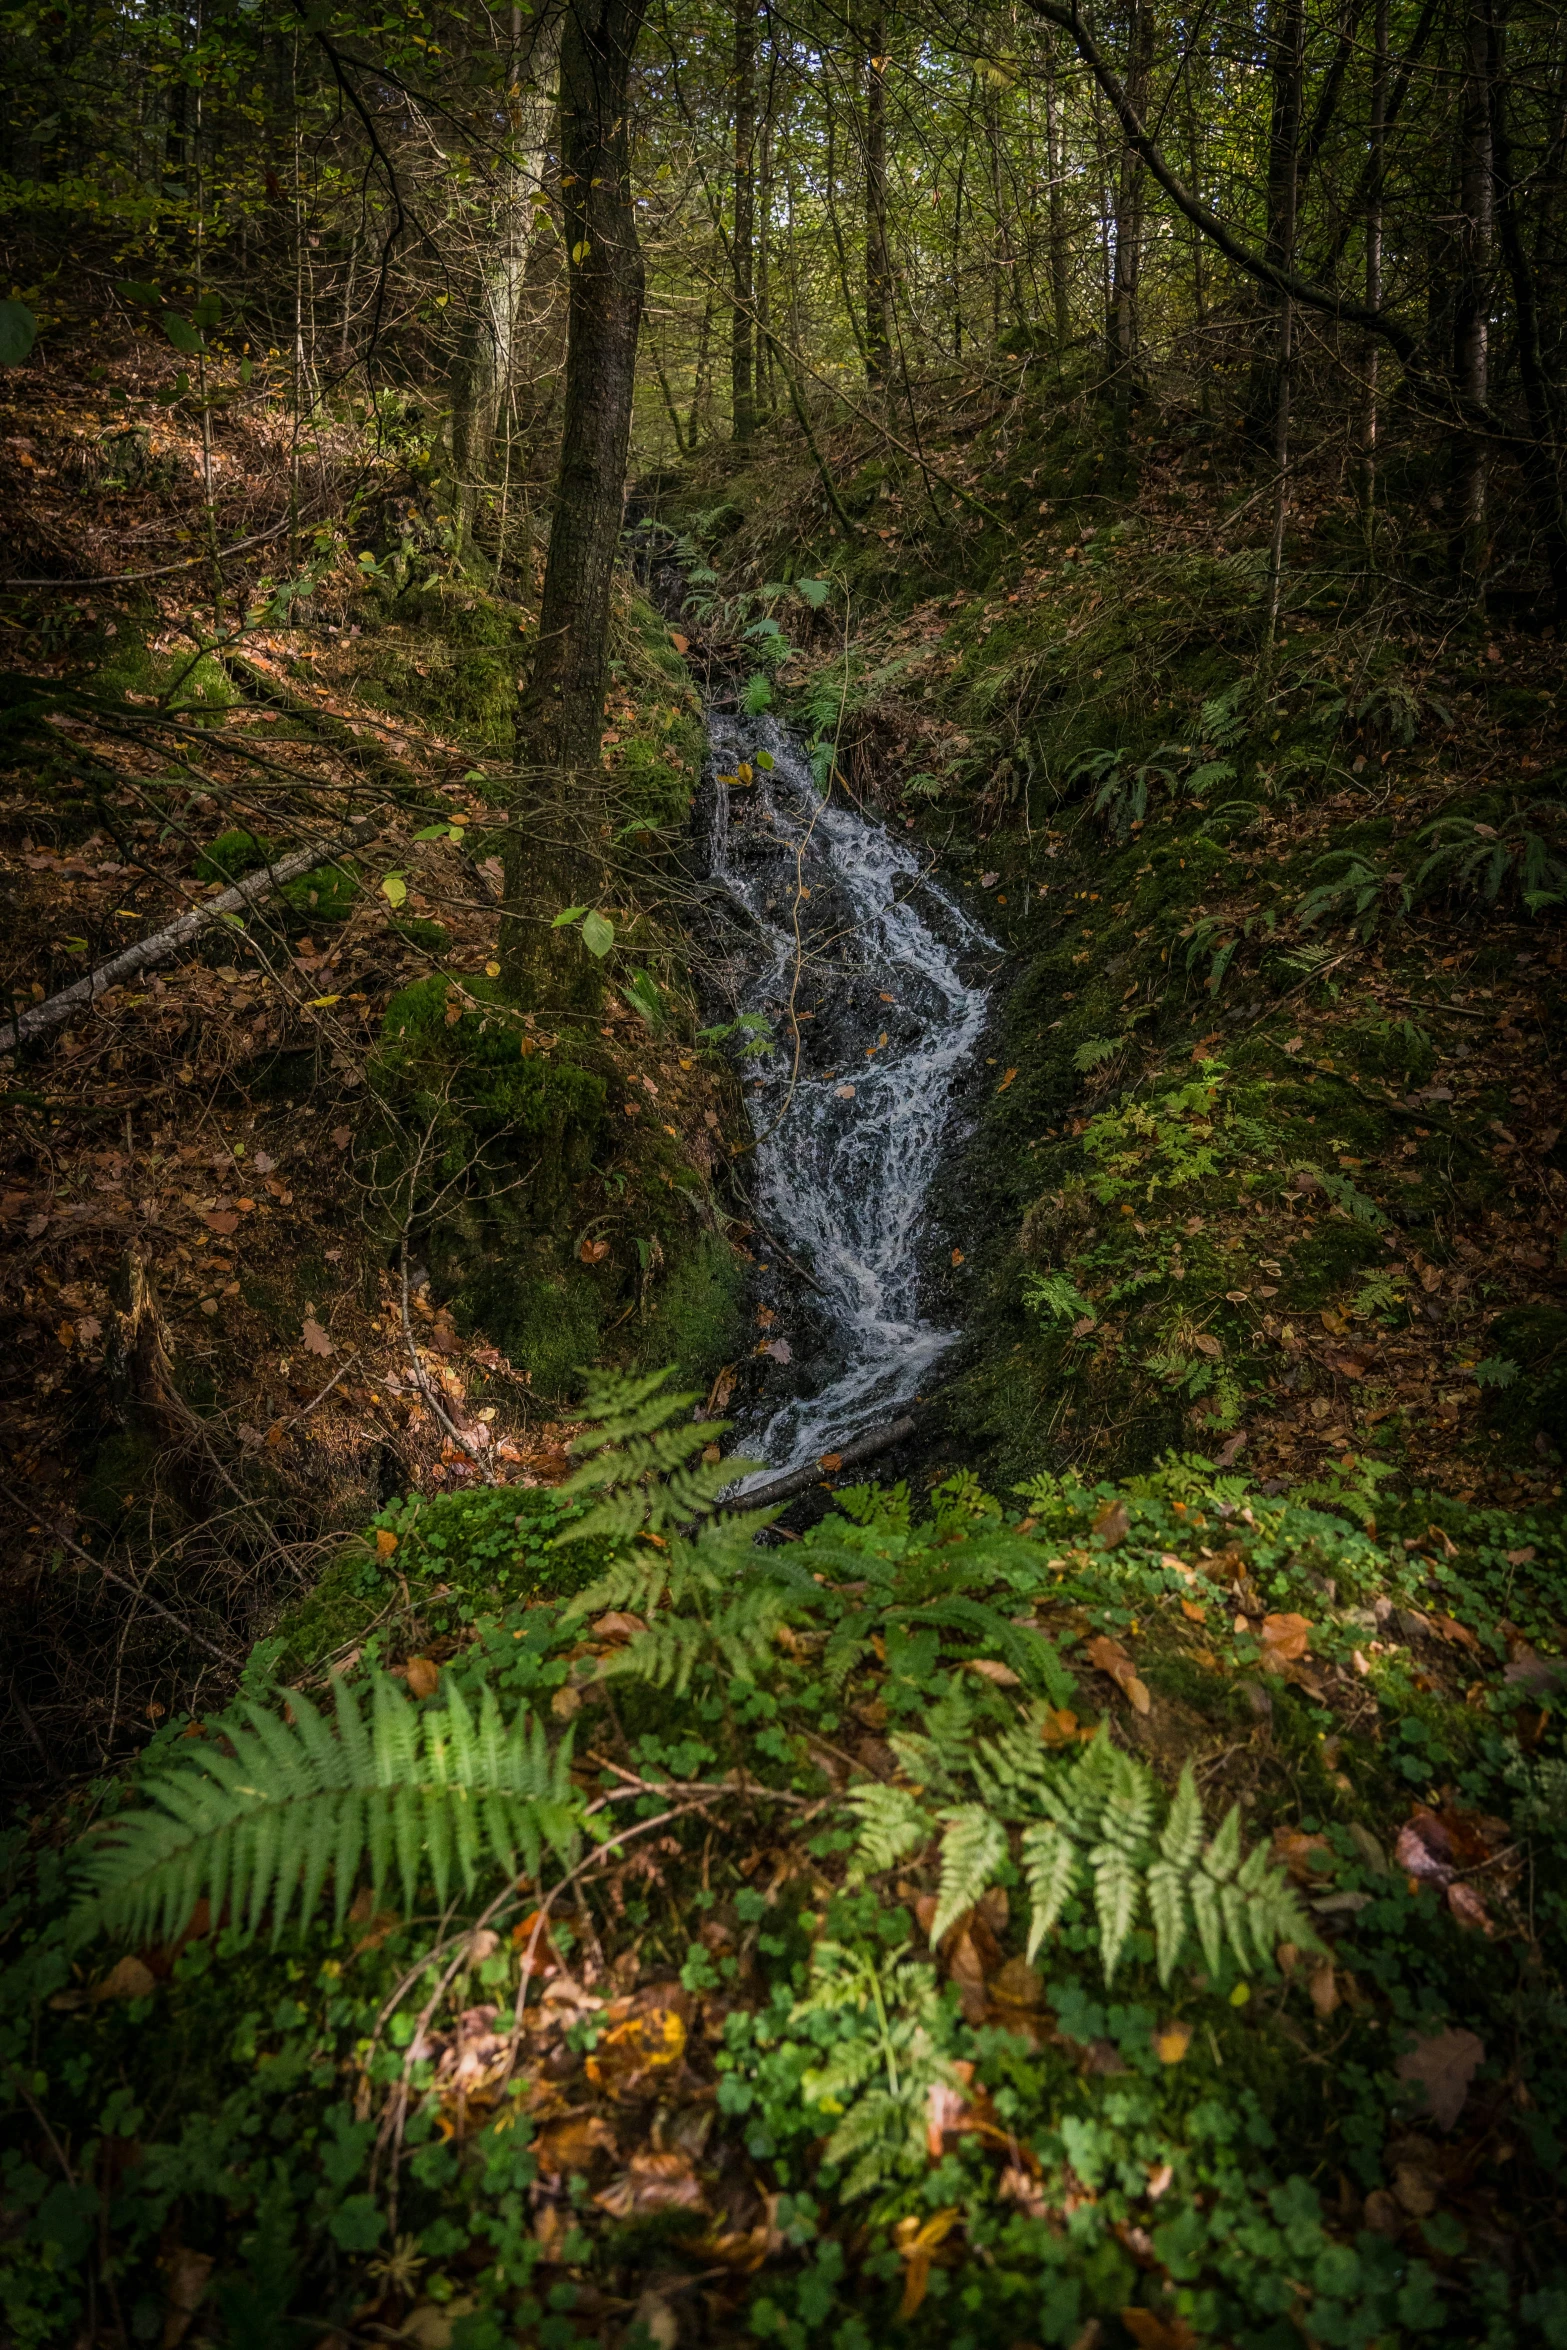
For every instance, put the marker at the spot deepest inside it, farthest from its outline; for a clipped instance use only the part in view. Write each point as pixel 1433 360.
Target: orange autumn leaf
pixel 1284 1639
pixel 1110 1657
pixel 1152 2332
pixel 424 1676
pixel 1006 1081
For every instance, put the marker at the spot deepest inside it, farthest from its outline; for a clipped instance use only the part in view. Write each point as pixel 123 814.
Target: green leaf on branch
pixel 182 334
pixel 18 332
pixel 598 936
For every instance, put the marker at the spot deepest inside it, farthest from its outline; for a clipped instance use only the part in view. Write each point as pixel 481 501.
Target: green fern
pixel 1089 1824
pixel 710 1596
pixel 267 1816
pixel 876 2081
pixel 972 1851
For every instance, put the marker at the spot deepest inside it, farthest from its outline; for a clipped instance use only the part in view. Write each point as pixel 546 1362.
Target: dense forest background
pixel 470 1882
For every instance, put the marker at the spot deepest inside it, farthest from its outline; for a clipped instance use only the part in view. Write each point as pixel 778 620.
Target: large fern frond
pixel 433 1793
pixel 892 1825
pixel 1092 1819
pixel 1051 1867
pixel 972 1850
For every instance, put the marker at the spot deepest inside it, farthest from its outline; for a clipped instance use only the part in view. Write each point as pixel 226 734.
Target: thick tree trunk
pixel 742 344
pixel 878 260
pixel 553 857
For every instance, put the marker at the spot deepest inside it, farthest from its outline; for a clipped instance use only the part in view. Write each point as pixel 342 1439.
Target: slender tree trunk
pixel 1472 292
pixel 1376 159
pixel 764 273
pixel 742 343
pixel 1055 161
pixel 1284 191
pixel 1542 466
pixel 878 262
pixel 487 351
pixel 835 223
pixel 560 714
pixel 1286 48
pixel 957 230
pixel 704 338
pixel 1124 337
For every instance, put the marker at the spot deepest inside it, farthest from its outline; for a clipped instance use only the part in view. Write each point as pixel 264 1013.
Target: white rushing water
pixel 845 935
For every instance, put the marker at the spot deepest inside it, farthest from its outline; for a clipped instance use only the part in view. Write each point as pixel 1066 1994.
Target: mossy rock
pixel 697 1318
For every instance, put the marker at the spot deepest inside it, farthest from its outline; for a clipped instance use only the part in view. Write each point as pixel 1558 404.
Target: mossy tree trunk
pixel 553 856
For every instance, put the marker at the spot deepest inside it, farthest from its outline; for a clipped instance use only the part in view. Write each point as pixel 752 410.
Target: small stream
pixel 840 940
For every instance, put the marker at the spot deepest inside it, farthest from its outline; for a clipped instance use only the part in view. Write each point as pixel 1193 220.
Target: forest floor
pixel 1249 1459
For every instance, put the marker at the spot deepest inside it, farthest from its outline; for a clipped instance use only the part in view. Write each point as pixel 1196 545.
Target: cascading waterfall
pixel 853 956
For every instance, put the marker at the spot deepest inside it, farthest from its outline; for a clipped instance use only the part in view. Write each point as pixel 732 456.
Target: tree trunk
pixel 1124 335
pixel 487 351
pixel 1286 61
pixel 1284 210
pixel 1472 293
pixel 1376 163
pixel 554 859
pixel 878 264
pixel 742 346
pixel 1055 159
pixel 1542 465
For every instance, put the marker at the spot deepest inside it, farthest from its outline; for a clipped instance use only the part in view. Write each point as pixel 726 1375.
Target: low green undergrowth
pixel 1012 1912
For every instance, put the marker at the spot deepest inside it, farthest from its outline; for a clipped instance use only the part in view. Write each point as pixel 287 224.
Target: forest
pixel 783 1144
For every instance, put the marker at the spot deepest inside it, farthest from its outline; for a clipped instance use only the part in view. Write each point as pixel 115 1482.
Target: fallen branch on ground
pixel 165 944
pixel 864 1448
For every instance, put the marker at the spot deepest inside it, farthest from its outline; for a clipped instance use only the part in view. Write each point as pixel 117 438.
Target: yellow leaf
pixel 394 889
pixel 1006 1081
pixel 385 1543
pixel 1172 2043
pixel 319 1003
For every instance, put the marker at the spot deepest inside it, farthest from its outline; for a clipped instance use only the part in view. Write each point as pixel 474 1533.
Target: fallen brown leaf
pixel 633 2057
pixel 1112 1525
pixel 128 1978
pixel 1443 2065
pixel 423 1676
pixel 652 2182
pixel 1284 1638
pixel 1111 1658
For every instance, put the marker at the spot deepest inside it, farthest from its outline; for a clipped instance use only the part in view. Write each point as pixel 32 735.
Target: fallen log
pixel 864 1448
pixel 43 1019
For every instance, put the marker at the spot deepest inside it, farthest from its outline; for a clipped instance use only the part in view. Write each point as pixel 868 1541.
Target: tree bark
pixel 878 262
pixel 555 861
pixel 742 343
pixel 1542 463
pixel 1286 59
pixel 1376 165
pixel 487 353
pixel 1055 159
pixel 1472 294
pixel 1124 326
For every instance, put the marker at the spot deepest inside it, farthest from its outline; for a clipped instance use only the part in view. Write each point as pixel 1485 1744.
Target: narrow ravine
pixel 867 973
